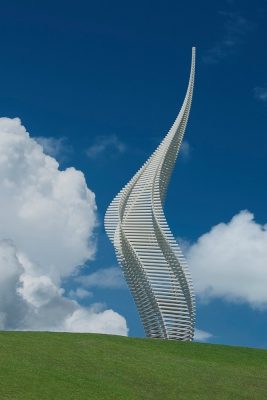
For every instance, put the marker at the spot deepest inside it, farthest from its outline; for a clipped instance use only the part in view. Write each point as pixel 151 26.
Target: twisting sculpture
pixel 151 260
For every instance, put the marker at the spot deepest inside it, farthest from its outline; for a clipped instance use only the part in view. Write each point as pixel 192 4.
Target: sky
pixel 97 86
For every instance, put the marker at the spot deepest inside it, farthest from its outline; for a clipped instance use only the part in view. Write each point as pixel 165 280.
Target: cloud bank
pixel 230 262
pixel 47 222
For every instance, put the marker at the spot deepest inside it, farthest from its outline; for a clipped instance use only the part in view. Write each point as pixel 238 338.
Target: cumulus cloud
pixel 108 145
pixel 106 321
pixel 55 147
pixel 80 293
pixel 230 262
pixel 103 278
pixel 47 224
pixel 202 336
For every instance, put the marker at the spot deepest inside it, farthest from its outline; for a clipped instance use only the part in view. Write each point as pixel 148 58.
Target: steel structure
pixel 152 262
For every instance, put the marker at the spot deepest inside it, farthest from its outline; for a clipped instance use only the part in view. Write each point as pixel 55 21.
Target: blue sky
pixel 106 80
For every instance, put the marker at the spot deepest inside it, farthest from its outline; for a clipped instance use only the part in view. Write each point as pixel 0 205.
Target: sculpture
pixel 152 262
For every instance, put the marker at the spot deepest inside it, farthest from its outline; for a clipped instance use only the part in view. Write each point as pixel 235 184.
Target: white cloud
pixel 185 150
pixel 38 290
pixel 103 278
pixel 260 93
pixel 202 336
pixel 107 321
pixel 55 147
pixel 80 293
pixel 184 244
pixel 48 219
pixel 230 262
pixel 105 145
pixel 235 28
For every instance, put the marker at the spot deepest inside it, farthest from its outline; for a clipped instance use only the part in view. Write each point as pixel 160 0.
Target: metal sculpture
pixel 152 262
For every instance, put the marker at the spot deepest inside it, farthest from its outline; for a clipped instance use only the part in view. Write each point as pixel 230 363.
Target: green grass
pixel 88 366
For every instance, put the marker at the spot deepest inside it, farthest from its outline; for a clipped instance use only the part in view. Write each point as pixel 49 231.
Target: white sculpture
pixel 152 262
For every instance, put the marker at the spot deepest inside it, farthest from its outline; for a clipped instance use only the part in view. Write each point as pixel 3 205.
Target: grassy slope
pixel 89 366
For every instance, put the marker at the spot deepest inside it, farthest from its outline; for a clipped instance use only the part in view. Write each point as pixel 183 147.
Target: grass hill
pixel 89 366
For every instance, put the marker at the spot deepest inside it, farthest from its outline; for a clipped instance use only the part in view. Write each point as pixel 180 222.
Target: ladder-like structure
pixel 152 262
